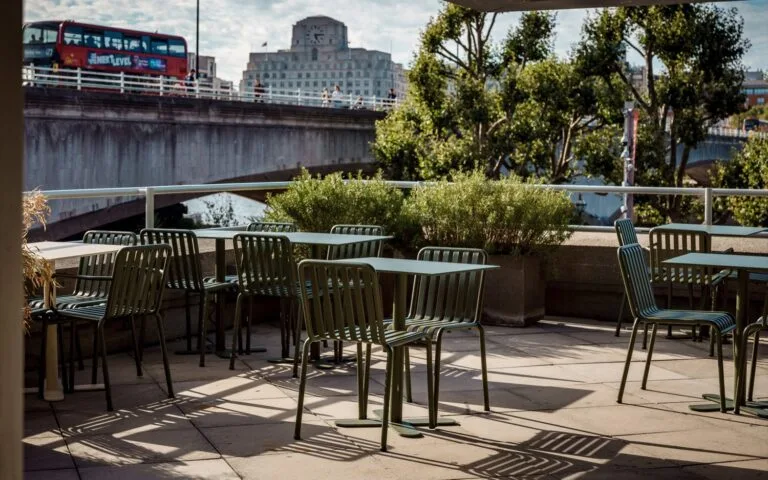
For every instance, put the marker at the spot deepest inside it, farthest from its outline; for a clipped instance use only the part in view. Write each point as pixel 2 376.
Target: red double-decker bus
pixel 67 44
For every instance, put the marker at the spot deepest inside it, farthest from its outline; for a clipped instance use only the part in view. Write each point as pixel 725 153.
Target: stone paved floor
pixel 554 415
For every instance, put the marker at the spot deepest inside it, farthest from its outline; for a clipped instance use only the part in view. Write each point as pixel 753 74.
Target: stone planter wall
pixel 515 294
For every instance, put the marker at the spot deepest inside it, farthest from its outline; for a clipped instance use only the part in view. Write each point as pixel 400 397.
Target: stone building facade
pixel 319 57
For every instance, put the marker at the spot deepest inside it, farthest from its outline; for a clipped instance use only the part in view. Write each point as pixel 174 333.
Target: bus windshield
pixel 36 34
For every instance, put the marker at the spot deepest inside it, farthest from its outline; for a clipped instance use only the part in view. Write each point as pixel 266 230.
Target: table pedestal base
pixel 226 354
pixel 406 428
pixel 759 409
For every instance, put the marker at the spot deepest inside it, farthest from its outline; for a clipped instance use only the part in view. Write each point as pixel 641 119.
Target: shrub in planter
pixel 35 270
pixel 316 204
pixel 512 219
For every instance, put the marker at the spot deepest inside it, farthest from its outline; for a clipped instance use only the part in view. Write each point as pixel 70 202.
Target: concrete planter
pixel 515 293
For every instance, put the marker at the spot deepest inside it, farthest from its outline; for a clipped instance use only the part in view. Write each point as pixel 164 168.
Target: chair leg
pixel 236 332
pixel 621 313
pixel 630 349
pixel 95 354
pixel 649 356
pixel 484 369
pixel 407 367
pixel 248 327
pixel 302 387
pixel 721 377
pixel 362 407
pixel 367 376
pixel 188 319
pixel 72 348
pixel 645 335
pixel 432 407
pixel 436 383
pixel 142 336
pixel 104 367
pixel 41 372
pixel 299 318
pixel 387 393
pixel 139 373
pixel 166 365
pixel 752 372
pixel 202 329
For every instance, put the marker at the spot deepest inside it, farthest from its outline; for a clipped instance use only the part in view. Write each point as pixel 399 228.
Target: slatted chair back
pixel 100 265
pixel 274 227
pixel 625 230
pixel 454 298
pixel 184 271
pixel 138 281
pixel 265 265
pixel 637 284
pixel 666 244
pixel 356 250
pixel 343 301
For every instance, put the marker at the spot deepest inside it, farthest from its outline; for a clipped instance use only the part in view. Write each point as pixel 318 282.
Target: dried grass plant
pixel 36 270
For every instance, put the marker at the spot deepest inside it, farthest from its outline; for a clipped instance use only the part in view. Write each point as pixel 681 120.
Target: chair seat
pixel 278 291
pixel 211 285
pixel 430 325
pixel 714 279
pixel 722 320
pixel 753 276
pixel 89 312
pixel 393 338
pixel 65 302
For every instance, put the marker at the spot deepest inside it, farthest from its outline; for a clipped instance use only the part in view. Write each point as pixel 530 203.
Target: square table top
pixel 52 251
pixel 417 267
pixel 299 238
pixel 714 230
pixel 721 261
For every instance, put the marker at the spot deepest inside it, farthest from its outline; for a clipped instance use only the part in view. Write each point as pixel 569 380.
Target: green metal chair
pixel 445 303
pixel 750 330
pixel 354 250
pixel 136 290
pixel 266 267
pixel 625 231
pixel 185 273
pixel 274 227
pixel 642 304
pixel 91 285
pixel 344 303
pixel 666 244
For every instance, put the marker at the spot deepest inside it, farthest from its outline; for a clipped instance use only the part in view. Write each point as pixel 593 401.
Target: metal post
pixel 298 97
pixel 122 82
pixel 197 42
pixel 162 85
pixel 149 207
pixel 79 79
pixel 708 198
pixel 627 158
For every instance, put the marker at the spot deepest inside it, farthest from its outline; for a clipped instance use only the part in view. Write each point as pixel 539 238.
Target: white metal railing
pixel 149 193
pixel 171 86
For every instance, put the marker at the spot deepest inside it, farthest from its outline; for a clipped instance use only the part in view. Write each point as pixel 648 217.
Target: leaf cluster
pixel 748 169
pixel 36 271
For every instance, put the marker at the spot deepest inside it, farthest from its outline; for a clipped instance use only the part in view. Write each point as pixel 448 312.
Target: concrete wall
pixel 98 140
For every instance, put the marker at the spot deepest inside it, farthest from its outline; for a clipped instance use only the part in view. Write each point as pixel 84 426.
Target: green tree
pixel 748 169
pixel 505 107
pixel 699 49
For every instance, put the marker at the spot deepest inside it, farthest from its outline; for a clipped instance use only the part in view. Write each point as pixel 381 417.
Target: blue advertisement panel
pixel 37 51
pixel 124 60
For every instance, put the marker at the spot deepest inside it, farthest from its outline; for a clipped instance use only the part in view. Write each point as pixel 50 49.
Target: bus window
pixel 113 40
pixel 73 36
pixel 132 44
pixel 176 47
pixel 159 46
pixel 145 44
pixel 40 34
pixel 92 38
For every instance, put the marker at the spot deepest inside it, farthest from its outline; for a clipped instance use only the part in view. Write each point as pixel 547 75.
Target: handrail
pixel 149 193
pixel 201 88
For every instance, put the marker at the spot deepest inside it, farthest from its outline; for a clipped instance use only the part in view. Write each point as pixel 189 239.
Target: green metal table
pixel 315 240
pixel 715 230
pixel 744 264
pixel 401 268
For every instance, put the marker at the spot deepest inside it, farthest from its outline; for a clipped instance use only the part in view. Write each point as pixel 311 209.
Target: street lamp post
pixel 197 42
pixel 628 158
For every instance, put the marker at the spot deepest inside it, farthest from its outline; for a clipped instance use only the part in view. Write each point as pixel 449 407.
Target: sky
pixel 230 29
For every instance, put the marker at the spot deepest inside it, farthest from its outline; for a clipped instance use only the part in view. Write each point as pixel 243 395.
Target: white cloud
pixel 229 29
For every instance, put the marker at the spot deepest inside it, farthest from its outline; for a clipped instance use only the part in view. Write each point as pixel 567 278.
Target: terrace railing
pixel 124 83
pixel 150 193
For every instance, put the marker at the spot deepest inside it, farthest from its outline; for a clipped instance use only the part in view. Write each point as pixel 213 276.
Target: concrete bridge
pixel 79 139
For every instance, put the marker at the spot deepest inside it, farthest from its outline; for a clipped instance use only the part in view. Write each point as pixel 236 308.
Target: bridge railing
pixel 202 88
pixel 150 193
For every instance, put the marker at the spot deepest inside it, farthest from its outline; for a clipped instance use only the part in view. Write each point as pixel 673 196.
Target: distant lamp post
pixel 197 41
pixel 628 157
